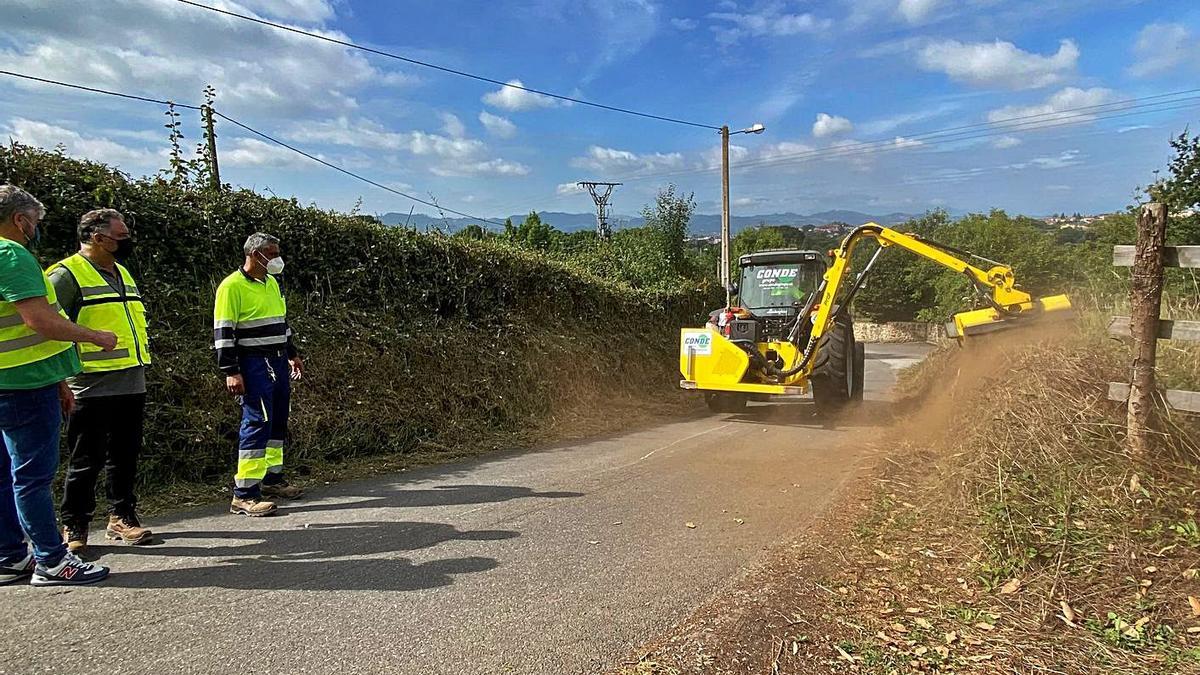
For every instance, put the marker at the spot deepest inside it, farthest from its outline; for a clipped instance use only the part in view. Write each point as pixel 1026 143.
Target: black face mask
pixel 124 249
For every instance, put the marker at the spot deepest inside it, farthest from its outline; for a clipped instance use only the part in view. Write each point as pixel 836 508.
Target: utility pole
pixel 600 193
pixel 725 215
pixel 210 137
pixel 725 133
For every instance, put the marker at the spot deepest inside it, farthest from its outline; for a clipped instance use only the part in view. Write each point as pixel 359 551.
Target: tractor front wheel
pixel 836 370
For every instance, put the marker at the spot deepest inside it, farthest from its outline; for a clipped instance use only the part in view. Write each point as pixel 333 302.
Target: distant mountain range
pixel 702 223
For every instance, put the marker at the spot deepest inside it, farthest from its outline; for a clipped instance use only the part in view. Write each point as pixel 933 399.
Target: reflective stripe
pixel 263 341
pixel 104 356
pixel 275 468
pixel 21 343
pixel 246 482
pixel 257 323
pixel 252 453
pixel 90 291
pixel 11 320
pixel 223 323
pixel 274 444
pixel 224 344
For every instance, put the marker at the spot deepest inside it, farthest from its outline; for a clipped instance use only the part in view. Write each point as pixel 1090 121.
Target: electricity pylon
pixel 600 193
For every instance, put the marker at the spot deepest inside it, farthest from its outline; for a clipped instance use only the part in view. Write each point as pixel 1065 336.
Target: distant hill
pixel 702 223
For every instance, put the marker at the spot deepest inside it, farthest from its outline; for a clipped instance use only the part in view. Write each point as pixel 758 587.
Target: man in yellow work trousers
pixel 105 432
pixel 256 352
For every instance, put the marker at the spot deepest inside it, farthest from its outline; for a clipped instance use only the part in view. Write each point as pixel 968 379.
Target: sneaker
pixel 17 570
pixel 251 507
pixel 282 490
pixel 127 529
pixel 71 571
pixel 76 537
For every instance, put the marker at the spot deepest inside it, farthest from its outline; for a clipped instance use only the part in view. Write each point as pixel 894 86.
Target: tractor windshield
pixel 777 285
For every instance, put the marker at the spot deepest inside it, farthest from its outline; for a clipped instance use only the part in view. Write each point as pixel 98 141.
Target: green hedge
pixel 411 339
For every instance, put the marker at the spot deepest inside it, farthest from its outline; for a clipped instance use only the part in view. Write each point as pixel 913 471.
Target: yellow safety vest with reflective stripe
pixel 20 345
pixel 249 318
pixel 102 307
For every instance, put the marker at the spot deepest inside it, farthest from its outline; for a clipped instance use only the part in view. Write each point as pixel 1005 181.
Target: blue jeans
pixel 29 423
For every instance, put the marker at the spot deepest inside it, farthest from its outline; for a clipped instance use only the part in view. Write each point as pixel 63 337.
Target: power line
pixel 1057 118
pixel 360 177
pixel 94 90
pixel 257 133
pixel 444 69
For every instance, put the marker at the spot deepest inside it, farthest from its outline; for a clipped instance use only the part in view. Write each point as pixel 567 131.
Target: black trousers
pixel 105 432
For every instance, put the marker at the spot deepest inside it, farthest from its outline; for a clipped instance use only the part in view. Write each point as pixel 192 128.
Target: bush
pixel 411 339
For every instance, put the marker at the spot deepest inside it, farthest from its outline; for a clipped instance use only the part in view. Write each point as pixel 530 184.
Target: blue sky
pixel 824 77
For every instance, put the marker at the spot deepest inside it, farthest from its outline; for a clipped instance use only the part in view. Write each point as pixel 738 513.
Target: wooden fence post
pixel 1145 297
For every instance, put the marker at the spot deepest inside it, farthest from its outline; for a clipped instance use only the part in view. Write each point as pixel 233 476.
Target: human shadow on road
pixel 318 541
pixel 254 574
pixel 441 495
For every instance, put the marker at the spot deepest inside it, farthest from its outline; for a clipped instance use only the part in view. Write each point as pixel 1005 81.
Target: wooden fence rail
pixel 1144 325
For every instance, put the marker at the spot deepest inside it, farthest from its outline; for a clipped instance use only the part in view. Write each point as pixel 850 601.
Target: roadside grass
pixel 1013 533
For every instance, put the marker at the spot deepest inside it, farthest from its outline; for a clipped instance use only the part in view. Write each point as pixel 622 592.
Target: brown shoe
pixel 283 490
pixel 127 529
pixel 251 507
pixel 75 537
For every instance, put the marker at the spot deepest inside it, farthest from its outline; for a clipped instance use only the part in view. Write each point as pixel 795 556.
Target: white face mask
pixel 274 265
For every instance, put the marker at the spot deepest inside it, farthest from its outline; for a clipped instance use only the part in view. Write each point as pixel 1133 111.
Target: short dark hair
pixel 96 220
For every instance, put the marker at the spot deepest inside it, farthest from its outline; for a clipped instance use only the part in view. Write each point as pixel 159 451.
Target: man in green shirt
pixel 36 357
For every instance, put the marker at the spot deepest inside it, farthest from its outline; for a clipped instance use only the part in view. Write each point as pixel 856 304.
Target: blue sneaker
pixel 71 571
pixel 11 572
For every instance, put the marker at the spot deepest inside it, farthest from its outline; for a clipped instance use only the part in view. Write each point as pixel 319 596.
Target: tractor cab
pixel 775 285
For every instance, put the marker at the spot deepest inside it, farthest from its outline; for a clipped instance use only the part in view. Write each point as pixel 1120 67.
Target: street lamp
pixel 758 128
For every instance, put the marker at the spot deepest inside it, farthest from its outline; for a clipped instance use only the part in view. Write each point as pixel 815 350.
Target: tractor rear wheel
pixel 834 373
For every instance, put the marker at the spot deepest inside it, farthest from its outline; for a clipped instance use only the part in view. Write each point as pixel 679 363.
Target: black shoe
pixel 71 571
pixel 16 570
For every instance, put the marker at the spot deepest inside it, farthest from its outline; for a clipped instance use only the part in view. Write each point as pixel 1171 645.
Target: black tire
pixel 725 403
pixel 833 374
pixel 860 372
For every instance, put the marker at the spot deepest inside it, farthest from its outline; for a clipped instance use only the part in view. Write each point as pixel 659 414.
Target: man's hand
pixel 235 384
pixel 66 398
pixel 297 368
pixel 106 340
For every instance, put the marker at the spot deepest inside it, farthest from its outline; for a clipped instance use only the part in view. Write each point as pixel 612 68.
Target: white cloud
pixel 684 23
pixel 371 135
pixel 783 149
pixel 251 152
pixel 518 100
pixel 170 50
pixel 771 21
pixel 902 142
pixel 452 126
pixel 1056 107
pixel 611 160
pixel 568 189
pixel 490 167
pixel 915 11
pixel 830 125
pixel 998 63
pixel 888 124
pixel 98 149
pixel 1160 47
pixel 309 11
pixel 1133 127
pixel 1005 142
pixel 1062 160
pixel 500 127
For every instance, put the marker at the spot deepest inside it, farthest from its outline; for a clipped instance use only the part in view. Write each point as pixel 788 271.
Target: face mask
pixel 274 265
pixel 32 239
pixel 124 249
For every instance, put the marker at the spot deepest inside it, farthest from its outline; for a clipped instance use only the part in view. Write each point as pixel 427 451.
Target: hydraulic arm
pixel 996 283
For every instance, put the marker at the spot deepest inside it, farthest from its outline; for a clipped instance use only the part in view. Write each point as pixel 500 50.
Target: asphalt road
pixel 552 561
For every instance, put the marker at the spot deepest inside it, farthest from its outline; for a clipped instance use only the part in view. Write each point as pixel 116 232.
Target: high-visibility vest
pixel 20 345
pixel 101 307
pixel 249 315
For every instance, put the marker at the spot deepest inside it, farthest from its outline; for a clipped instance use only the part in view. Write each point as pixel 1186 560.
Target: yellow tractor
pixel 792 333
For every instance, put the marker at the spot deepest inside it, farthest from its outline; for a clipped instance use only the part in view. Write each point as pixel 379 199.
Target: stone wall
pixel 898 331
